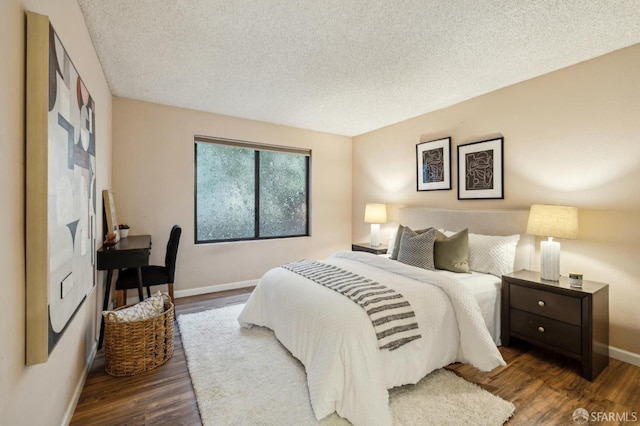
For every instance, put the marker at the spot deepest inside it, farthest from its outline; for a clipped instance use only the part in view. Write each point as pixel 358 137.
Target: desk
pixel 131 252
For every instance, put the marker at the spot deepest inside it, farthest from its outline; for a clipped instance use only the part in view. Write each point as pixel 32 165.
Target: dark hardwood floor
pixel 545 388
pixel 163 396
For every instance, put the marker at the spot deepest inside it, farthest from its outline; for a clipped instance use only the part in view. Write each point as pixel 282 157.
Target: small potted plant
pixel 124 230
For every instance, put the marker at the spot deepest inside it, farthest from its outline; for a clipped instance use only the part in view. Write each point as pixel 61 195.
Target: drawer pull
pixel 541 303
pixel 541 329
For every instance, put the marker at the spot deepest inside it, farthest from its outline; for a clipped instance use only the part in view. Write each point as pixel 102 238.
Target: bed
pixel 349 365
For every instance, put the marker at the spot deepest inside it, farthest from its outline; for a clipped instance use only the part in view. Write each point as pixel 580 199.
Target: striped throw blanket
pixel 391 315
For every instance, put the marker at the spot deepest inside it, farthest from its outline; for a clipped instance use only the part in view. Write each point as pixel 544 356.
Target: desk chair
pixel 151 274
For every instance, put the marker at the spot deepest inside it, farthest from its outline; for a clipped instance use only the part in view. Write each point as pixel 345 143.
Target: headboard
pixel 487 222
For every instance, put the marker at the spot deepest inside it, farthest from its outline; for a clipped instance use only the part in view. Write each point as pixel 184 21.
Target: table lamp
pixel 375 214
pixel 552 221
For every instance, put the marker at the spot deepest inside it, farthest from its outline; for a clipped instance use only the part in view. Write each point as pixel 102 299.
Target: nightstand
pixel 381 249
pixel 564 319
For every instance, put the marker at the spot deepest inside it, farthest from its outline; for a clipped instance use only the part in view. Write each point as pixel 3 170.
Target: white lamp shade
pixel 375 213
pixel 553 221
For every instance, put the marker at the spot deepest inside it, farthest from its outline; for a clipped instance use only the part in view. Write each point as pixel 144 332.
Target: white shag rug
pixel 246 377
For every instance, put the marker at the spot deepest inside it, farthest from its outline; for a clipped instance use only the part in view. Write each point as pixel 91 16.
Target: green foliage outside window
pixel 245 193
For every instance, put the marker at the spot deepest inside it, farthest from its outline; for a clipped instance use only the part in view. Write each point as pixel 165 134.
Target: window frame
pixel 257 148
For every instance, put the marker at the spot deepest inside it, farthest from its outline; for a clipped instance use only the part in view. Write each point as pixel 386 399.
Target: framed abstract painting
pixel 481 170
pixel 60 190
pixel 433 161
pixel 111 220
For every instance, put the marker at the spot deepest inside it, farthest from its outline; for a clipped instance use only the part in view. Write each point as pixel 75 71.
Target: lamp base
pixel 550 260
pixel 375 235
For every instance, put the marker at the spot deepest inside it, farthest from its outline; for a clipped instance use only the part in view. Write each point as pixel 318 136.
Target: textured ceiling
pixel 343 66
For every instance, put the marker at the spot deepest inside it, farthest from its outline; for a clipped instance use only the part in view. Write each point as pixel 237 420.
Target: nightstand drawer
pixel 555 333
pixel 547 304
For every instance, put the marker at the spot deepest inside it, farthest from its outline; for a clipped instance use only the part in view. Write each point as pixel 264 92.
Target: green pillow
pixel 452 253
pixel 396 245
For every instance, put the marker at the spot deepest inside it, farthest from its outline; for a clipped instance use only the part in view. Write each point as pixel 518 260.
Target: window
pixel 247 191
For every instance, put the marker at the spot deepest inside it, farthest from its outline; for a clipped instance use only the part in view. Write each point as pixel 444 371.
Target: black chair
pixel 152 274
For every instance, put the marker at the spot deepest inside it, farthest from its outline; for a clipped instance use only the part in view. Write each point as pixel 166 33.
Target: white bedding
pixel 485 288
pixel 334 338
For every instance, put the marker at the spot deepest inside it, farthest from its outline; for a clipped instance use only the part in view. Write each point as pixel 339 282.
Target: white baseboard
pixel 215 288
pixel 132 296
pixel 68 414
pixel 625 356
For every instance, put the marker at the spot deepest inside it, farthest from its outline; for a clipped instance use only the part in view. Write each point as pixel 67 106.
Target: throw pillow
pixel 396 243
pixel 491 254
pixel 417 249
pixel 452 252
pixel 146 309
pixel 392 243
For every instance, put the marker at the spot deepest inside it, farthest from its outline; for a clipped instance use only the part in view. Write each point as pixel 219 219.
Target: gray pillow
pixel 396 245
pixel 417 249
pixel 452 253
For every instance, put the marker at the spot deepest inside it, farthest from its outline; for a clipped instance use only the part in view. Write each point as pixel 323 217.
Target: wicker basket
pixel 138 346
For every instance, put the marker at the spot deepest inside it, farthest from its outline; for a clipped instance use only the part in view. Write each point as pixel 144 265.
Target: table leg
pixel 140 295
pixel 105 305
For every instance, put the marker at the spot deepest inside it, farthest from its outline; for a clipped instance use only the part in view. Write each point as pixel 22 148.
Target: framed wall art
pixel 433 161
pixel 111 220
pixel 481 170
pixel 60 190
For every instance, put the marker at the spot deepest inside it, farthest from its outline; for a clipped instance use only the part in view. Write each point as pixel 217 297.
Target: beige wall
pixel 153 184
pixel 570 137
pixel 40 394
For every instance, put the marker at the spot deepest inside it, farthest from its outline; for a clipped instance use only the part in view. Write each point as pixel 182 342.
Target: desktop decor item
pixel 111 221
pixel 434 165
pixel 481 170
pixel 575 279
pixel 375 214
pixel 60 189
pixel 123 230
pixel 553 222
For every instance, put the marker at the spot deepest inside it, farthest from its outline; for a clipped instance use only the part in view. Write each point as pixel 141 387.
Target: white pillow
pixel 392 241
pixel 492 254
pixel 148 308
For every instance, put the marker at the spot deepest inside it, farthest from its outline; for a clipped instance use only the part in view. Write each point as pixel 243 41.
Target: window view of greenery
pixel 283 194
pixel 243 193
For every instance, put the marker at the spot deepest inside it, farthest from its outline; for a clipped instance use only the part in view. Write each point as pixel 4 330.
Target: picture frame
pixel 60 190
pixel 111 220
pixel 433 161
pixel 481 170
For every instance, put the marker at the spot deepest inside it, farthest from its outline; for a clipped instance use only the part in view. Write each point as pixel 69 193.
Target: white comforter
pixel 334 338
